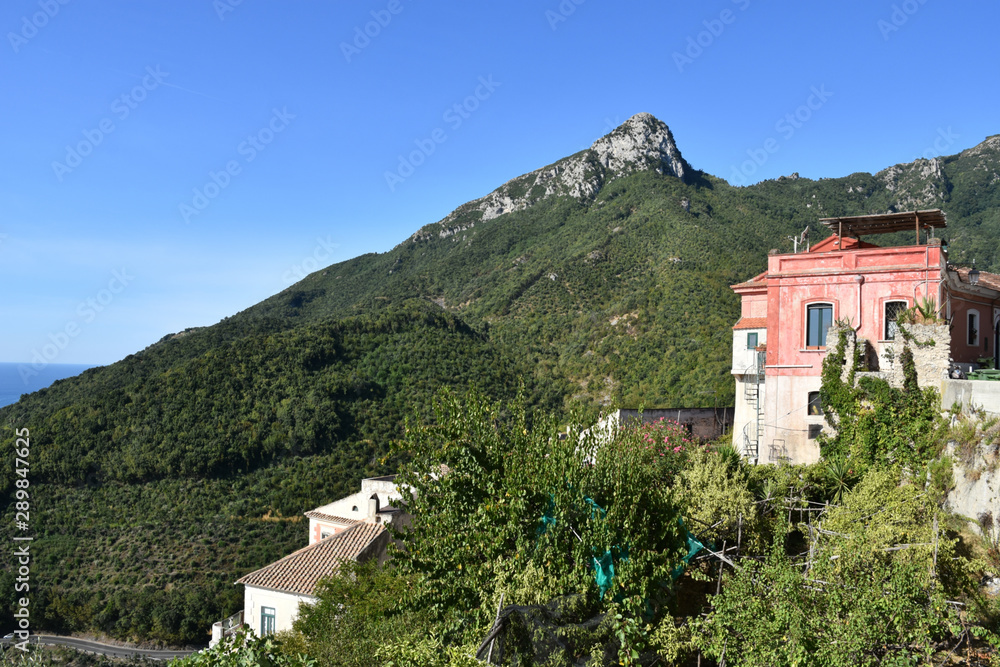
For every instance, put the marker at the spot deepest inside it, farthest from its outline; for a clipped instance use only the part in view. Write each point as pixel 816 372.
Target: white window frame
pixel 267 614
pixel 816 305
pixel 969 315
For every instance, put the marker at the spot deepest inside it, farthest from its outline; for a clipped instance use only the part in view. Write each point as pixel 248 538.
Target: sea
pixel 17 379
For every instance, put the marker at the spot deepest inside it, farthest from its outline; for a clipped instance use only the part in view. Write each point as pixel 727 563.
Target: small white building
pixel 375 499
pixel 274 592
pixel 352 528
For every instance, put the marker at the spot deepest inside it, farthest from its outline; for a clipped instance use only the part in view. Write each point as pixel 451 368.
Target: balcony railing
pixel 226 628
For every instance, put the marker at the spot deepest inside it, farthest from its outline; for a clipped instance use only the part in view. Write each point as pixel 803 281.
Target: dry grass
pixel 976 438
pixel 989 539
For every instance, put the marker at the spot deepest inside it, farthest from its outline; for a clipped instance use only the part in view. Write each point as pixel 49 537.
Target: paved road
pixel 107 649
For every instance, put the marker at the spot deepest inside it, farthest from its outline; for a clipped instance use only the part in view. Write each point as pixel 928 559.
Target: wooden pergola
pixel 885 223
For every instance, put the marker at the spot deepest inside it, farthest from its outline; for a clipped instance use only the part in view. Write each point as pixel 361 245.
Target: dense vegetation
pixel 872 420
pixel 648 549
pixel 625 297
pixel 194 453
pixel 150 500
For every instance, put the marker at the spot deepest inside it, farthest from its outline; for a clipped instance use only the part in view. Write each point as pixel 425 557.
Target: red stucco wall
pixel 857 283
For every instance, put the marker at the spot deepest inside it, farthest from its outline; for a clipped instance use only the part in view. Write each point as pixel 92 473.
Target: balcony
pixel 226 628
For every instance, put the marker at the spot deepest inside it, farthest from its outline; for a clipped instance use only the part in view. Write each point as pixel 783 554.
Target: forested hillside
pixel 158 481
pixel 612 288
pixel 624 296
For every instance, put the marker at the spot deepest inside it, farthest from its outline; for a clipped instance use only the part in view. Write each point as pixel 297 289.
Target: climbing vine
pixel 874 421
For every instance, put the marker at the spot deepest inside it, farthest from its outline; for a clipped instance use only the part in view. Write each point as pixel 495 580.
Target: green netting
pixel 694 548
pixel 547 519
pixel 594 506
pixel 604 571
pixel 604 565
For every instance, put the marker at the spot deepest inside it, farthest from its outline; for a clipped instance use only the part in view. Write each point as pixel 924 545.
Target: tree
pixel 355 615
pixel 878 588
pixel 505 509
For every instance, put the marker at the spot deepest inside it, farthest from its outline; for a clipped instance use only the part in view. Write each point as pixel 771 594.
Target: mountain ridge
pixel 612 289
pixel 641 142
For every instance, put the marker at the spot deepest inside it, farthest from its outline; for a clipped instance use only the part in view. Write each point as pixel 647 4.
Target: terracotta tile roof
pixel 320 516
pixel 300 571
pixel 755 281
pixel 751 323
pixel 988 280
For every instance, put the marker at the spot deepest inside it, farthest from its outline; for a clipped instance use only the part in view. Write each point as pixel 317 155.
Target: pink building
pixel 781 338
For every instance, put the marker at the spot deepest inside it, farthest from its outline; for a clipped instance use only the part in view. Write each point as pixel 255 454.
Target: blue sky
pixel 169 164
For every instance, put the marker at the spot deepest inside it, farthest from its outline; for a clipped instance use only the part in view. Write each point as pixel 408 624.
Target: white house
pixel 375 499
pixel 274 592
pixel 352 528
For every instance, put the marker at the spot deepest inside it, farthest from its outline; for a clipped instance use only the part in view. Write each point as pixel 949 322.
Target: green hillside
pixel 158 481
pixel 152 477
pixel 624 297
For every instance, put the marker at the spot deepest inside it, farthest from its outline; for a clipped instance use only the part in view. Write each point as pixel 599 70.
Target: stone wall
pixel 971 394
pixel 977 485
pixel 930 345
pixel 705 423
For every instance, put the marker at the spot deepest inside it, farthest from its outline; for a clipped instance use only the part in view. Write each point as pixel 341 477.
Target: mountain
pixel 600 279
pixel 641 143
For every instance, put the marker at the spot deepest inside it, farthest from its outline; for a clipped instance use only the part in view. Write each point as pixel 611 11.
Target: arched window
pixel 819 317
pixel 892 311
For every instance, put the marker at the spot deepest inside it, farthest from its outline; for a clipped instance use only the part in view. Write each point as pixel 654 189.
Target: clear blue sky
pixel 115 113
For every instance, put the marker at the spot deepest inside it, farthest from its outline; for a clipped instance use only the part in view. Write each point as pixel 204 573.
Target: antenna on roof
pixel 802 238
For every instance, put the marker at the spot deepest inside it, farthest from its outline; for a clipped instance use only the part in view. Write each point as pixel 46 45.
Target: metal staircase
pixel 753 388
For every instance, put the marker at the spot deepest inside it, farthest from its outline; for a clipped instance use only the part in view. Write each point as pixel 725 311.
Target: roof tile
pixel 320 516
pixel 751 323
pixel 988 280
pixel 300 571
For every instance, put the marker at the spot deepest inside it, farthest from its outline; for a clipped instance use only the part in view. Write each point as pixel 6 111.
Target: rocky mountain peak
pixel 641 143
pixel 642 140
pixel 917 184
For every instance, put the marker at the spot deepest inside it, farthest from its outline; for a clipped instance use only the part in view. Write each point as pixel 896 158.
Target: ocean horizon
pixel 22 378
